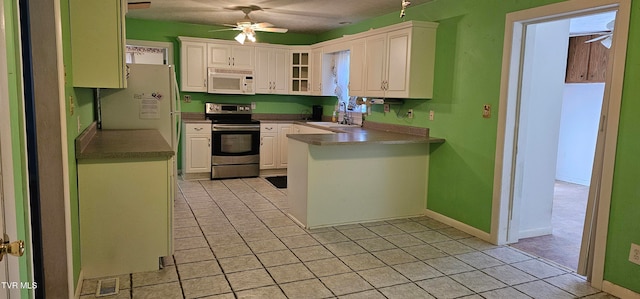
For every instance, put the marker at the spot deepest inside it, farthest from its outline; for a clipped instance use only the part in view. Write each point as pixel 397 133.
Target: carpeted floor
pixel 563 246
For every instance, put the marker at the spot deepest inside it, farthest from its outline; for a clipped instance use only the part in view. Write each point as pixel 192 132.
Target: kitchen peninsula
pixel 125 191
pixel 356 175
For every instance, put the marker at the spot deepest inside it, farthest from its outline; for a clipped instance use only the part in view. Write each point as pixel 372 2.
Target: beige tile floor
pixel 234 240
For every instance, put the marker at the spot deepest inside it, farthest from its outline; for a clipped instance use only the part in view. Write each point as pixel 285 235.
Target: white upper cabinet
pixel 271 71
pixel 357 67
pixel 193 66
pixel 375 63
pixel 390 69
pixel 230 56
pixel 316 71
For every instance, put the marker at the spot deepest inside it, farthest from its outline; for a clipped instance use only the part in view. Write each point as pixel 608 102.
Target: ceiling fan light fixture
pixel 251 37
pixel 241 37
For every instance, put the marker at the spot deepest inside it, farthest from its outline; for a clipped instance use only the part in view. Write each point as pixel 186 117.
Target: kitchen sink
pixel 329 124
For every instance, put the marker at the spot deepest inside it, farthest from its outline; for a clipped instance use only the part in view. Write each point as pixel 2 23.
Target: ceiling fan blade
pixel 601 37
pixel 271 29
pixel 139 5
pixel 261 25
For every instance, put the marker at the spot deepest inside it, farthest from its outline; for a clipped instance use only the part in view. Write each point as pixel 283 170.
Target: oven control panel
pixel 212 108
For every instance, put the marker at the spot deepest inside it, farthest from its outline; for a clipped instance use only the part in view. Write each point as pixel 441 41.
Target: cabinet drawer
pixel 197 128
pixel 268 127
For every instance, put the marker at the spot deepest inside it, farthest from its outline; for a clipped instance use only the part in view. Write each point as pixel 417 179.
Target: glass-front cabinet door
pixel 300 73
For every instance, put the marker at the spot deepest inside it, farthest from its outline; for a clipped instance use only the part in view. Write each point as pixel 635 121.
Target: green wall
pixel 467 76
pixel 624 221
pixel 18 142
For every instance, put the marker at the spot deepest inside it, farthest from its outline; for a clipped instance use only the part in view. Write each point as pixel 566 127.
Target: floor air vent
pixel 107 287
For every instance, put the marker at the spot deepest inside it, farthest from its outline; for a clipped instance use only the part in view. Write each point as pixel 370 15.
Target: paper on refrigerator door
pixel 149 105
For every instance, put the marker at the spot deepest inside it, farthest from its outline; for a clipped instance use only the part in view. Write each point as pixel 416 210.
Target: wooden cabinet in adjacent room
pixel 586 62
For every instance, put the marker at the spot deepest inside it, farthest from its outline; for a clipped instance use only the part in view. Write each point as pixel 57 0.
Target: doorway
pixel 560 106
pixel 521 79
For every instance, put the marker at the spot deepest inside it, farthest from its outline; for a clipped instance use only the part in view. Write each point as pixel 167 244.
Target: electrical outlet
pixel 253 105
pixel 187 98
pixel 634 254
pixel 387 108
pixel 71 105
pixel 486 111
pixel 431 115
pixel 410 113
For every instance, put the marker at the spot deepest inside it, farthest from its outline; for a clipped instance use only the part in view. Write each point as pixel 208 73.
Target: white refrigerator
pixel 150 101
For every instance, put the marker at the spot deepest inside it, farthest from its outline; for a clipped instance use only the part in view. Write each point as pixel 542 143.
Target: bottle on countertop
pixel 334 118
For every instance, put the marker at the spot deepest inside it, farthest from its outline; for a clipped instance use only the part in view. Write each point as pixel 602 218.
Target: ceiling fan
pixel 605 37
pixel 248 28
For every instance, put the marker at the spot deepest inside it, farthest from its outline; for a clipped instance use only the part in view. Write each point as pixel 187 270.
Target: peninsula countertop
pixel 121 144
pixel 356 135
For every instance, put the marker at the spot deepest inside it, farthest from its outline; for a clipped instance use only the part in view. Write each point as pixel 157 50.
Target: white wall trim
pixel 78 291
pixel 530 233
pixel 65 150
pixel 619 291
pixel 459 225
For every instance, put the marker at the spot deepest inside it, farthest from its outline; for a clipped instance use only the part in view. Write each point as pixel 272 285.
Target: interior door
pixel 8 271
pixel 9 268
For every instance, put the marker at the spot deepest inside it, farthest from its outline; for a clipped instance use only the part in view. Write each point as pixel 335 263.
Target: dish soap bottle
pixel 334 118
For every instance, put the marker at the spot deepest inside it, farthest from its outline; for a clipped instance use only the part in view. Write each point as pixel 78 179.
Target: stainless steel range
pixel 235 150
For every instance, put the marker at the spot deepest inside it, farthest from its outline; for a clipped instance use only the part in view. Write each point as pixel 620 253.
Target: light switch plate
pixel 634 254
pixel 431 115
pixel 486 111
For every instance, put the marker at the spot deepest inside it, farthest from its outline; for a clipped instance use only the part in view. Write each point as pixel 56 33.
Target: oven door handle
pixel 235 127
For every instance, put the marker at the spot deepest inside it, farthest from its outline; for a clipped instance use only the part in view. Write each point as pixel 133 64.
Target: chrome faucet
pixel 345 119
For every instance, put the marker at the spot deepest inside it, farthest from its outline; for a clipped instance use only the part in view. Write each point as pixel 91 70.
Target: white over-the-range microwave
pixel 230 81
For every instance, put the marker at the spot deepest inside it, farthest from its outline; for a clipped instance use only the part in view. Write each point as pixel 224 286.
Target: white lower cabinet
pixel 283 130
pixel 196 150
pixel 273 145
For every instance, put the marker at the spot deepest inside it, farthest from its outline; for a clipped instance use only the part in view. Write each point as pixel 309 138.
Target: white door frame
pixel 10 273
pixel 507 126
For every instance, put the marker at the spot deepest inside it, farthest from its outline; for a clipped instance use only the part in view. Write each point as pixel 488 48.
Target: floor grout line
pixel 227 198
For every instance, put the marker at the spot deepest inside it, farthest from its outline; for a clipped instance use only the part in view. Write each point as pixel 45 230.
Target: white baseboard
pixel 619 291
pixel 459 225
pixel 79 285
pixel 530 233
